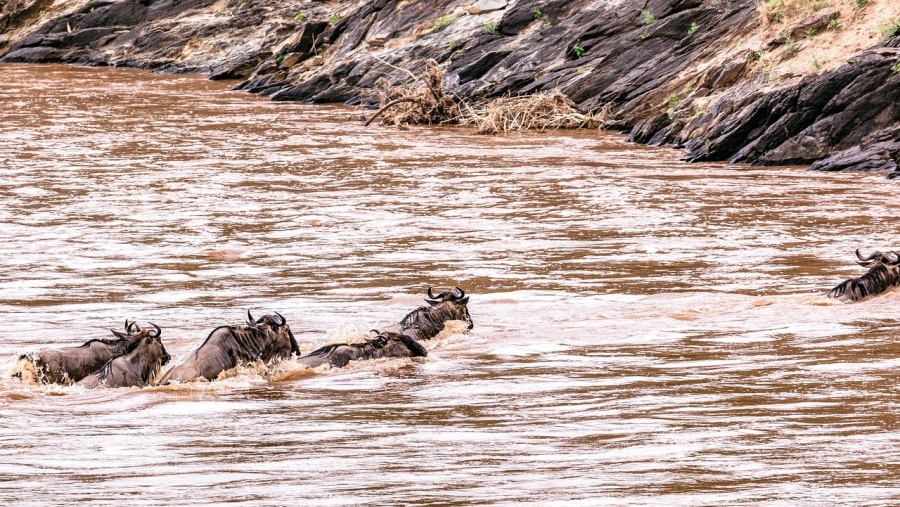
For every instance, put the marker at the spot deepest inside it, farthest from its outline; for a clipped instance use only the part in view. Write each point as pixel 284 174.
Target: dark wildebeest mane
pixel 883 275
pixel 385 344
pixel 266 339
pixel 71 364
pixel 426 322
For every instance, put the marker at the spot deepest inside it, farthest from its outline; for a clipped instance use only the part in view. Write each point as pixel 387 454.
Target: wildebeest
pixel 883 274
pixel 386 344
pixel 71 364
pixel 135 368
pixel 424 323
pixel 266 339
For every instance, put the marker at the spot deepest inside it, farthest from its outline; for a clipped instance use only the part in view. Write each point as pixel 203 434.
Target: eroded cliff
pixel 779 82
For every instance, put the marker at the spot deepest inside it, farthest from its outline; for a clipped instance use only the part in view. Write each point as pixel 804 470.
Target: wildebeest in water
pixel 426 322
pixel 267 339
pixel 883 274
pixel 137 367
pixel 386 344
pixel 70 364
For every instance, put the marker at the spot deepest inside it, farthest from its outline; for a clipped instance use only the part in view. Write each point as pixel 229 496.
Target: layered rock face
pixel 698 74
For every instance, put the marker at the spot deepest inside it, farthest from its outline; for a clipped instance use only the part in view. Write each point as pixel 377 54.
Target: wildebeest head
pixel 137 367
pixel 426 322
pixel 278 325
pixel 883 274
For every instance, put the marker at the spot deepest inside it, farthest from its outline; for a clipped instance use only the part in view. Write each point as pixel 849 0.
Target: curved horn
pixel 462 293
pixel 156 333
pixel 280 321
pixel 867 259
pixel 250 317
pixel 430 295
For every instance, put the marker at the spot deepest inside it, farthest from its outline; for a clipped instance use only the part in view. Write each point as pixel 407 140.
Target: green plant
pixel 300 16
pixel 815 63
pixel 861 3
pixel 889 28
pixel 538 14
pixel 279 59
pixel 647 17
pixel 791 45
pixel 578 50
pixel 645 34
pixel 674 100
pixel 442 21
pixel 896 67
pixel 334 19
pixel 811 32
pixel 693 28
pixel 489 27
pixel 580 70
pixel 834 24
pixel 854 61
pixel 546 25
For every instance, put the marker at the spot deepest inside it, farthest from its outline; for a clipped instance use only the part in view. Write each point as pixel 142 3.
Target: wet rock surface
pixel 668 71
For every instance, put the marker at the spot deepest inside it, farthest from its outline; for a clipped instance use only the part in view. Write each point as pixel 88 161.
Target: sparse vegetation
pixel 489 27
pixel 673 101
pixel 777 11
pixel 647 17
pixel 538 13
pixel 442 21
pixel 279 59
pixel 694 27
pixel 791 46
pixel 578 50
pixel 300 16
pixel 815 63
pixel 334 19
pixel 861 3
pixel 834 24
pixel 896 67
pixel 889 28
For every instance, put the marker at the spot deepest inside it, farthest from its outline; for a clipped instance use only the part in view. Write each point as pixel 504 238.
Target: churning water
pixel 646 331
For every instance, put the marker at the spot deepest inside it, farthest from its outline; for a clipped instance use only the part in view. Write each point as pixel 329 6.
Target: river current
pixel 647 332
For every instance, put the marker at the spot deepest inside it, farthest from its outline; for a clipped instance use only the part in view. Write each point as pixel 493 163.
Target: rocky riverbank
pixel 774 83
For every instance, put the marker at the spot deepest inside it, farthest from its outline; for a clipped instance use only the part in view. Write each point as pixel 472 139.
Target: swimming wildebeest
pixel 426 322
pixel 883 274
pixel 386 344
pixel 266 339
pixel 135 368
pixel 71 364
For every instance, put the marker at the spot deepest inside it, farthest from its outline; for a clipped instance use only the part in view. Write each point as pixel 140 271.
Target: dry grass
pixel 423 101
pixel 541 111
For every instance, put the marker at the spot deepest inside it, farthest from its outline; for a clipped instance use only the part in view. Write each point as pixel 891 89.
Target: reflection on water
pixel 646 331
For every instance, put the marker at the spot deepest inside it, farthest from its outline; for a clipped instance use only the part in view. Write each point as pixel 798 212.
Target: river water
pixel 646 331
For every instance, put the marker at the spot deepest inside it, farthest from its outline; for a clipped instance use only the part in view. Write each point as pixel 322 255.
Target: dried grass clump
pixel 422 101
pixel 541 111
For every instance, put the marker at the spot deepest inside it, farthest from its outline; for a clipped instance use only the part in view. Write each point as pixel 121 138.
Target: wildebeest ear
pixel 280 321
pixel 433 303
pixel 118 334
pixel 464 301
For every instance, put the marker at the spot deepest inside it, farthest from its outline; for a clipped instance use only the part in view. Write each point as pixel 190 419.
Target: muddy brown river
pixel 647 332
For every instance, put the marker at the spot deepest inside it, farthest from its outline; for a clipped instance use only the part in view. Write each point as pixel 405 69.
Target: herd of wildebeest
pixel 136 356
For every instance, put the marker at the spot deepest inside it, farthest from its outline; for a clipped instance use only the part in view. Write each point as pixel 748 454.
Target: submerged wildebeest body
pixel 135 368
pixel 883 274
pixel 386 344
pixel 71 364
pixel 426 322
pixel 266 339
